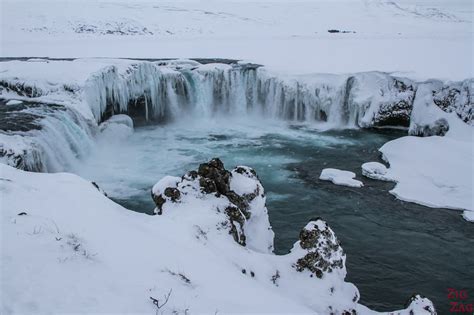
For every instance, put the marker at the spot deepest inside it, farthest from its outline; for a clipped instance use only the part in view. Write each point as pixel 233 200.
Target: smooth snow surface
pixel 408 37
pixel 432 171
pixel 339 177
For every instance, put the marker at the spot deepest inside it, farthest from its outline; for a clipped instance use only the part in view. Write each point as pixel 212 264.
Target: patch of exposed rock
pixel 323 250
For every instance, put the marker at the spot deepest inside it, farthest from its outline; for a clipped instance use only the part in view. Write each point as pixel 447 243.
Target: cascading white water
pixel 156 92
pixel 173 90
pixel 204 91
pixel 62 137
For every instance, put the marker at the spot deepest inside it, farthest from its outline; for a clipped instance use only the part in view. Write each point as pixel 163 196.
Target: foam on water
pixel 127 167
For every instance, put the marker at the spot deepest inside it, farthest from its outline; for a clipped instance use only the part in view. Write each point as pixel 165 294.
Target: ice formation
pixel 166 90
pixel 162 90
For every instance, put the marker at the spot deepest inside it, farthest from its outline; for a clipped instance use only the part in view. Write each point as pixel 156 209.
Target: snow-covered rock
pixel 119 119
pixel 458 98
pixel 433 115
pixel 340 177
pixel 238 194
pixel 116 128
pixel 374 170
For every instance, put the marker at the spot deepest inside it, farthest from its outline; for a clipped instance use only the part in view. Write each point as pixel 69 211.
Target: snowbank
pixel 432 171
pixel 339 177
pixel 69 249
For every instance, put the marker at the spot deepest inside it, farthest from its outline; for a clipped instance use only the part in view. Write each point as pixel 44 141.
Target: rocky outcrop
pixel 457 98
pixel 396 104
pixel 437 128
pixel 323 252
pixel 241 189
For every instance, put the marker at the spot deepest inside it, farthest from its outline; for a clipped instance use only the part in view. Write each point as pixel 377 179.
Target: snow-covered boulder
pixel 340 177
pixel 438 127
pixel 374 170
pixel 120 119
pixel 116 127
pixel 437 115
pixel 319 249
pixel 457 97
pixel 381 99
pixel 238 194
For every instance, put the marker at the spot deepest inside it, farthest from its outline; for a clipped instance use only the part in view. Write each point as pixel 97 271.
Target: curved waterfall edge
pixel 154 92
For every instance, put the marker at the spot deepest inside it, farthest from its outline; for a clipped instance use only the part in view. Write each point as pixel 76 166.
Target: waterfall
pixel 163 91
pixel 58 137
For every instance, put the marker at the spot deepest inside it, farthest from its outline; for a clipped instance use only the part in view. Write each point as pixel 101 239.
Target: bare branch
pixel 156 302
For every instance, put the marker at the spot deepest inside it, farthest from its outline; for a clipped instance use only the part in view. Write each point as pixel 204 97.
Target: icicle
pixel 146 108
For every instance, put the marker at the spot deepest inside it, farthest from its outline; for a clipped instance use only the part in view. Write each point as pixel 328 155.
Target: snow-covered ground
pixel 80 252
pixel 66 248
pixel 420 39
pixel 432 171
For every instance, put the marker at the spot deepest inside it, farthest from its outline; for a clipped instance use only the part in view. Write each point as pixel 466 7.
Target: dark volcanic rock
pixel 214 171
pixel 396 111
pixel 172 193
